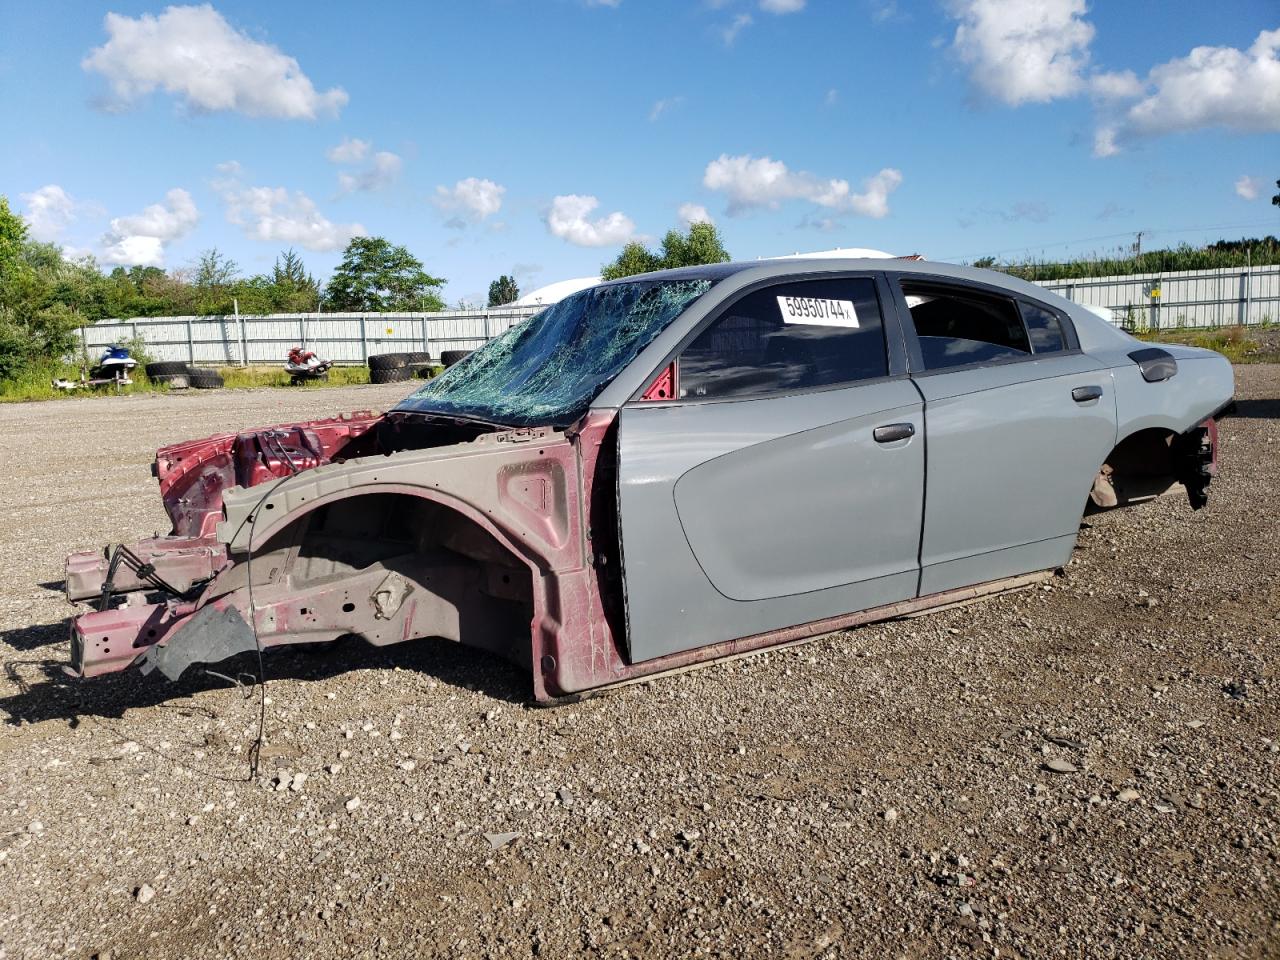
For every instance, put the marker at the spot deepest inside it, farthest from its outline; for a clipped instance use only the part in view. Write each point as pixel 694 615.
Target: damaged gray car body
pixel 669 469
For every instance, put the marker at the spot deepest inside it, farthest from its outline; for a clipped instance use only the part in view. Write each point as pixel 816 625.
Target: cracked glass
pixel 548 369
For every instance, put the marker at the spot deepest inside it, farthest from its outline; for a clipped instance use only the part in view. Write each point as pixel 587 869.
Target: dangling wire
pixel 255 751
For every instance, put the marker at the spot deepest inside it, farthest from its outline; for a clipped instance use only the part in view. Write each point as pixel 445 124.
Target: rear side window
pixel 958 326
pixel 1044 329
pixel 786 338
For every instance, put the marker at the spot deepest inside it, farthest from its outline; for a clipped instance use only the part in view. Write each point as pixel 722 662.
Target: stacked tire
pixel 202 379
pixel 450 357
pixel 395 367
pixel 180 376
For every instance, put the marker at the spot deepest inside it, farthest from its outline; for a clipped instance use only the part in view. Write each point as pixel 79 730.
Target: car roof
pixel 751 271
pixel 794 266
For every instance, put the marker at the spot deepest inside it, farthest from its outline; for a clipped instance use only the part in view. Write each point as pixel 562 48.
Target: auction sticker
pixel 818 312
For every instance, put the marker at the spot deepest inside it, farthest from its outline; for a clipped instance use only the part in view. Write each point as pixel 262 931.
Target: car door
pixel 1019 421
pixel 781 481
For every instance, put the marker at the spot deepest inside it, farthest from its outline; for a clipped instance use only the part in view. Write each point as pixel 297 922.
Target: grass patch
pixel 36 381
pixel 1238 344
pixel 245 377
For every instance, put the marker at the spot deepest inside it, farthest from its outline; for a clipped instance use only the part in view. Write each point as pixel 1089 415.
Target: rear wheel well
pixel 1140 467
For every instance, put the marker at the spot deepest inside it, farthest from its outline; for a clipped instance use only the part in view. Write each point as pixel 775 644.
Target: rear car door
pixel 1019 421
pixel 782 480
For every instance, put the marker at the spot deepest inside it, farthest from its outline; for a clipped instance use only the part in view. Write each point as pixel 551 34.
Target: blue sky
pixel 536 136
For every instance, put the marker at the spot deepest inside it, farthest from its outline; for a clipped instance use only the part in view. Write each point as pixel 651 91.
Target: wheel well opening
pixel 393 567
pixel 1140 467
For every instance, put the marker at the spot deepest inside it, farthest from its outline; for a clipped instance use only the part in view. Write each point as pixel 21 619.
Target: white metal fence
pixel 346 338
pixel 1192 298
pixel 1186 298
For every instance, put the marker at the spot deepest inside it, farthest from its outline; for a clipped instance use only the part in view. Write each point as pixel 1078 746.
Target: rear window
pixel 1044 329
pixel 958 326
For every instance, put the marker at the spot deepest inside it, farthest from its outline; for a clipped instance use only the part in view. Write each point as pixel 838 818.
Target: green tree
pixel 293 289
pixel 503 291
pixel 634 258
pixel 700 245
pixel 13 235
pixel 214 269
pixel 374 276
pixel 23 293
pixel 1275 200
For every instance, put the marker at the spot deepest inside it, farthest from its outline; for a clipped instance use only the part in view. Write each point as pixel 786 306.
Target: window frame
pixel 896 355
pixel 915 357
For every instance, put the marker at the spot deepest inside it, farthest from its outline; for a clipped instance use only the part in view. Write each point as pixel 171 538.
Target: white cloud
pixel 739 23
pixel 381 173
pixel 782 6
pixel 603 3
pixel 231 168
pixel 1104 142
pixel 195 54
pixel 350 150
pixel 472 199
pixel 662 106
pixel 1023 51
pixel 1248 188
pixel 691 213
pixel 274 214
pixel 751 182
pixel 141 239
pixel 832 97
pixel 884 10
pixel 1120 85
pixel 1238 90
pixel 567 219
pixel 49 211
pixel 134 251
pixel 383 170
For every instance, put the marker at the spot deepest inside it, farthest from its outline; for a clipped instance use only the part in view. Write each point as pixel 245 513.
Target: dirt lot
pixel 879 793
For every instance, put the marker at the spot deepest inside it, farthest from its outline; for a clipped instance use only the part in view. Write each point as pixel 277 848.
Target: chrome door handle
pixel 894 431
pixel 1085 394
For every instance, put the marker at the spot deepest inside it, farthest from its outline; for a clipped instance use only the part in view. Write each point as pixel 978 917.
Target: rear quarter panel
pixel 1204 383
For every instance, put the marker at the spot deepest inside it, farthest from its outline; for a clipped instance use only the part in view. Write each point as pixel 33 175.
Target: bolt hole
pixel 348 607
pixel 306 611
pixel 271 506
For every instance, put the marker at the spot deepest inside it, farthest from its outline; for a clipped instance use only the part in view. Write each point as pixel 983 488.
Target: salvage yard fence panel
pixel 1190 298
pixel 1184 298
pixel 344 338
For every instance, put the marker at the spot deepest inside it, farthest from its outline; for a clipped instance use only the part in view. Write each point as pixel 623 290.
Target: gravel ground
pixel 886 792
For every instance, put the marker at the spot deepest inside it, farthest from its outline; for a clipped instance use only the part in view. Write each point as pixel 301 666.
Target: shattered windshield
pixel 549 368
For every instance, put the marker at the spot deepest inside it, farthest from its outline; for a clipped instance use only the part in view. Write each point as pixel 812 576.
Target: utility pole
pixel 1138 247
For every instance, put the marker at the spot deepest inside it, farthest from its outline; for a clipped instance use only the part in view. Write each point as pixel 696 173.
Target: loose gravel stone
pixel 738 810
pixel 1058 765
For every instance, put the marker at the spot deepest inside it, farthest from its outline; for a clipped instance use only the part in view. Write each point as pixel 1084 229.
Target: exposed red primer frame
pixel 194 473
pixel 663 386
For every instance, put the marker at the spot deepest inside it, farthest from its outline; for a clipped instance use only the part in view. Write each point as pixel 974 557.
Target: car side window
pixel 788 337
pixel 958 325
pixel 1044 329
